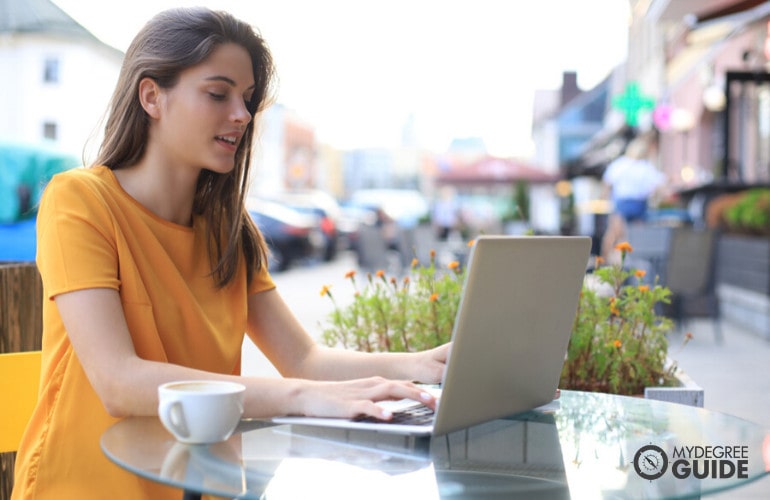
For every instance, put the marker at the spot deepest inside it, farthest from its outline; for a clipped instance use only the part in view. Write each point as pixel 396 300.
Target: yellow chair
pixel 19 381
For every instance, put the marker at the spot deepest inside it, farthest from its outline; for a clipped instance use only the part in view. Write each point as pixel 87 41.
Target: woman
pixel 153 270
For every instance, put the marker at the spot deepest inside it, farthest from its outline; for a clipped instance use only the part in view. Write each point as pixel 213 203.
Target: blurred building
pixel 565 121
pixel 300 153
pixel 286 156
pixel 368 168
pixel 402 167
pixel 713 75
pixel 696 78
pixel 702 66
pixel 57 76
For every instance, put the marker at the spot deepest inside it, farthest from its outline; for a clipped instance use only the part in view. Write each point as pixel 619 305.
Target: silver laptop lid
pixel 513 327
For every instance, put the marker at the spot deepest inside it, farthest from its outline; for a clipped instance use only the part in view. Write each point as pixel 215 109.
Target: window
pixel 50 130
pixel 51 70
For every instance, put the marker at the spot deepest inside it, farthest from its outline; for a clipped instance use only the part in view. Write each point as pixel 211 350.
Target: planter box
pixel 744 262
pixel 743 281
pixel 688 393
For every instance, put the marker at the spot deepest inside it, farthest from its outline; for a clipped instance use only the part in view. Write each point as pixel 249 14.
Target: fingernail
pixel 426 396
pixel 386 414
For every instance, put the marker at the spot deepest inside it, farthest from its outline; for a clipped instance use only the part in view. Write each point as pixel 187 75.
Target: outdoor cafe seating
pixel 683 258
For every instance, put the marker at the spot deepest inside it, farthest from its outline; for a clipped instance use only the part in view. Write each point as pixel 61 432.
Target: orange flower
pixel 624 247
pixel 618 344
pixel 406 280
pixel 432 254
pixel 640 273
pixel 325 290
pixel 613 308
pixel 453 265
pixel 433 297
pixel 644 288
pixel 393 280
pixel 471 243
pixel 688 336
pixel 415 262
pixel 350 274
pixel 380 273
pixel 599 260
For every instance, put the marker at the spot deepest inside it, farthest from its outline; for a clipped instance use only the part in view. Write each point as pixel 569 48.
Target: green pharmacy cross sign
pixel 632 102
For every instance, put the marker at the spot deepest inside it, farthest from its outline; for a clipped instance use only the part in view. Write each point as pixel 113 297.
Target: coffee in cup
pixel 200 411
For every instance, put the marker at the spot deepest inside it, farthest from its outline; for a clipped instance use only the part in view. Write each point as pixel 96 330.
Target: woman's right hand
pixel 349 399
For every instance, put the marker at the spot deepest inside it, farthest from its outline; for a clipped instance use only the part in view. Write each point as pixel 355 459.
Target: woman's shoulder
pixel 83 182
pixel 84 176
pixel 81 187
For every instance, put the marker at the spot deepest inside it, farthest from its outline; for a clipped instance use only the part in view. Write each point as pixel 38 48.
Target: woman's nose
pixel 240 113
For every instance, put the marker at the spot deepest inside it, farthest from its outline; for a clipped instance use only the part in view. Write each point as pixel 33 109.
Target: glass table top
pixel 590 445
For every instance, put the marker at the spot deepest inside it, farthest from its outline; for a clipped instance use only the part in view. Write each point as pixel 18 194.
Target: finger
pixel 402 390
pixel 371 409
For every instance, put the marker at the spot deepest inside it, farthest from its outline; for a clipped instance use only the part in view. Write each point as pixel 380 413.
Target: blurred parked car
pixel 321 205
pixel 349 224
pixel 290 234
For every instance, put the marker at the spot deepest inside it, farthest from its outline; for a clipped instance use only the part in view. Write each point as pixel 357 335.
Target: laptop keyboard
pixel 419 414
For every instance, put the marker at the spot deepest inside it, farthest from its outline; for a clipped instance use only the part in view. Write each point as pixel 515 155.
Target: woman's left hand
pixel 429 365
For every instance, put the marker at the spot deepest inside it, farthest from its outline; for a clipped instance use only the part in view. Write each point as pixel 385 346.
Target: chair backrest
pixel 691 259
pixel 19 383
pixel 649 241
pixel 372 248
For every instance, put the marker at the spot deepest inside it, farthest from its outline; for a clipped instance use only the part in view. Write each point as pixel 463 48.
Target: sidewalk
pixel 735 376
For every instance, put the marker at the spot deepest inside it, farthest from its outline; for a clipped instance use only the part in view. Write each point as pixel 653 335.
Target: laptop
pixel 510 336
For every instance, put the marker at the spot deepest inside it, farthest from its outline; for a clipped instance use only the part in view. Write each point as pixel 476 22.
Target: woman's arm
pixel 127 385
pixel 277 332
pixel 97 330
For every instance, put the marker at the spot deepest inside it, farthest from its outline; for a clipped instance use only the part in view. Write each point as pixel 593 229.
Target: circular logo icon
pixel 650 462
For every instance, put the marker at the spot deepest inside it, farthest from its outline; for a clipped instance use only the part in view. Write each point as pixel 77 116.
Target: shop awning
pixel 493 170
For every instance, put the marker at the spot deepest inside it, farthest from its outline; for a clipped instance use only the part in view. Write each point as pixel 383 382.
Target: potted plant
pixel 750 214
pixel 743 258
pixel 407 314
pixel 618 344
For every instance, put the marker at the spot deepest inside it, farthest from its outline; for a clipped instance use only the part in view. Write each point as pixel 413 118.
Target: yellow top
pixel 92 234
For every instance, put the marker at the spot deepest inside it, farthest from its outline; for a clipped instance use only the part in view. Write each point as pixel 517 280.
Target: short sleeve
pixel 261 281
pixel 76 246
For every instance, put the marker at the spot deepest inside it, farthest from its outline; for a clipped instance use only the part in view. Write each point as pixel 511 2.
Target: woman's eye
pixel 217 97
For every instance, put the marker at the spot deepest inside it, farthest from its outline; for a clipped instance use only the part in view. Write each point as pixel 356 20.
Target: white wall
pixel 88 72
pixel 544 208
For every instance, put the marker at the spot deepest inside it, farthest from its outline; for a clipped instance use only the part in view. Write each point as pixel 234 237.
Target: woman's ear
pixel 149 97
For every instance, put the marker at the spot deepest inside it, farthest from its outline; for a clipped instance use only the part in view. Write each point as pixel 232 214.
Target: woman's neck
pixel 166 191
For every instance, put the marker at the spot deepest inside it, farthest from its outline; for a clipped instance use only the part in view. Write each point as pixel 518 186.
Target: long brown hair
pixel 169 43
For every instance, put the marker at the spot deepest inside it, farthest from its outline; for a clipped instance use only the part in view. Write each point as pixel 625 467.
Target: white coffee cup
pixel 200 411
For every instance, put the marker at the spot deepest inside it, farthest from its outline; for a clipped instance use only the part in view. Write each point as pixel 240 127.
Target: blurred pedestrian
pixel 445 213
pixel 629 182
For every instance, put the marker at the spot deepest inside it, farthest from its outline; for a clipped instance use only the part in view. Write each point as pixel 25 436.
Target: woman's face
pixel 202 118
